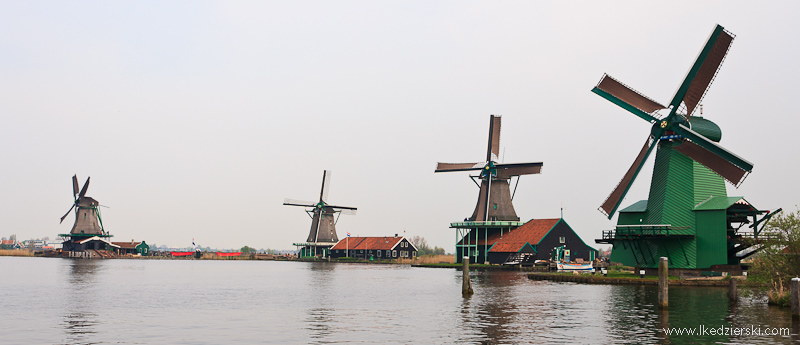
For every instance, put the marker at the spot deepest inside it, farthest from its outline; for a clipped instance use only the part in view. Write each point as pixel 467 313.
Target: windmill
pixel 494 211
pixel 87 215
pixel 687 182
pixel 88 222
pixel 324 217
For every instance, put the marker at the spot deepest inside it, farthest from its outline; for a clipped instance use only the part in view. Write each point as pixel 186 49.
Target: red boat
pixel 181 253
pixel 229 254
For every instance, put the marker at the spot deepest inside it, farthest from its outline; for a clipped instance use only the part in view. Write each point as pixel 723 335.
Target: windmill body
pixel 500 206
pixel 86 218
pixel 322 235
pixel 323 226
pixel 494 212
pixel 688 216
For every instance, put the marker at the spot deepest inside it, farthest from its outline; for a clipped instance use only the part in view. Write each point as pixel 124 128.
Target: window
pixel 562 239
pixel 495 206
pixel 413 254
pixel 394 253
pixel 379 253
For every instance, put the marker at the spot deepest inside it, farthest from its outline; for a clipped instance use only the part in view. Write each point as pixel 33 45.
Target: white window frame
pixel 394 253
pixel 562 239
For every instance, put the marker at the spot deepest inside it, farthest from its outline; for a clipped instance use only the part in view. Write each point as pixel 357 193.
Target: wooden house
pixel 375 248
pixel 535 240
pixel 132 248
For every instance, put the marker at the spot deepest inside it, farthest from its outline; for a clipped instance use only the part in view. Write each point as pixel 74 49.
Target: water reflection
pixel 80 321
pixel 319 319
pixel 80 327
pixel 83 271
pixel 495 314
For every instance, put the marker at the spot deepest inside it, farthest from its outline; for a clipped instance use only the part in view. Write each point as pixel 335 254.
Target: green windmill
pixel 688 216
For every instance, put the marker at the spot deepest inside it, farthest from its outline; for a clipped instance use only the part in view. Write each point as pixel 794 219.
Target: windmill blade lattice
pixel 493 152
pixel 615 198
pixel 703 71
pixel 444 167
pixel 326 186
pixel 294 202
pixel 74 186
pixel 518 169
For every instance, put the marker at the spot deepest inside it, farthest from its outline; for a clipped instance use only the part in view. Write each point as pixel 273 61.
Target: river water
pixel 73 301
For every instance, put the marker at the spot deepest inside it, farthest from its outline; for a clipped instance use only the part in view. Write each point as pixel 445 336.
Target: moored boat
pixel 565 266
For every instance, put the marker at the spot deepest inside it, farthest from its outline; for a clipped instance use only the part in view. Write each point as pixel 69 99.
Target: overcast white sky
pixel 195 119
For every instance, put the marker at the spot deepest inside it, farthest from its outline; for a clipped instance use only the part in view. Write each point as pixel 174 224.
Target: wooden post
pixel 732 293
pixel 663 283
pixel 466 285
pixel 796 297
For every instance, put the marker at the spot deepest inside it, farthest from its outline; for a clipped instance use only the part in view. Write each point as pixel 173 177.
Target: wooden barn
pixel 535 240
pixel 374 248
pixel 132 248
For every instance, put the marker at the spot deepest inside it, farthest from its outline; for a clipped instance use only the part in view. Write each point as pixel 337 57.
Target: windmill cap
pixel 704 127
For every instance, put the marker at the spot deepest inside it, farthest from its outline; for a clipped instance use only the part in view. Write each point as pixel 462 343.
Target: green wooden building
pixel 688 216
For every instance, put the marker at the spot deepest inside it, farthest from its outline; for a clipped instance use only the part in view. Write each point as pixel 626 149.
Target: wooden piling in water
pixel 795 297
pixel 466 285
pixel 732 293
pixel 663 283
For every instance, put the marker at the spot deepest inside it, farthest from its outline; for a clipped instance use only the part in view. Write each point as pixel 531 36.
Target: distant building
pixel 132 247
pixel 381 248
pixel 535 240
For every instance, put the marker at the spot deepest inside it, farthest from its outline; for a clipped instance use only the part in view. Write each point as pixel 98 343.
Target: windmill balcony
pixel 750 237
pixel 641 231
pixel 485 224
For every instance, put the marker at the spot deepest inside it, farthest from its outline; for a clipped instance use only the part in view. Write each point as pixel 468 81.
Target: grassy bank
pixel 16 252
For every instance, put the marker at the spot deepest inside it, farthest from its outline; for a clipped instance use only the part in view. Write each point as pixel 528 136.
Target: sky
pixel 195 119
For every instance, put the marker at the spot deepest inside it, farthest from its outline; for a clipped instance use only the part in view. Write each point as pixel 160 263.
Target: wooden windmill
pixel 324 217
pixel 688 216
pixel 494 212
pixel 88 222
pixel 494 197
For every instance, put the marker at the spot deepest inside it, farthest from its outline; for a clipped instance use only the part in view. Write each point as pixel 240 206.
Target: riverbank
pixel 484 267
pixel 647 280
pixel 16 252
pixel 105 255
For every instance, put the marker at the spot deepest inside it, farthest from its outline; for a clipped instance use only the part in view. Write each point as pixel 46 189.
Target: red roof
pixel 368 243
pixel 531 232
pixel 131 245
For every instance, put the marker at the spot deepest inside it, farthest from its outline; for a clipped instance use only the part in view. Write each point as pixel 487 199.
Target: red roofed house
pixel 132 248
pixel 380 248
pixel 535 240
